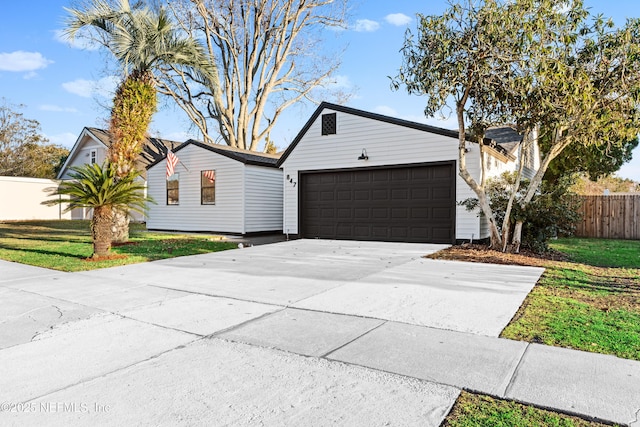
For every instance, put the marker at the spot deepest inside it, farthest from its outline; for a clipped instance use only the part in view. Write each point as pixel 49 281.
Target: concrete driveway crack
pixel 514 375
pixel 324 356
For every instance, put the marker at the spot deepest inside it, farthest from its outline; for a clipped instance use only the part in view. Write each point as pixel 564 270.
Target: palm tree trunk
pixel 120 226
pixel 101 230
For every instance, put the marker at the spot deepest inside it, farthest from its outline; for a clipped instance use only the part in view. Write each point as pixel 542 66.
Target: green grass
pixel 66 245
pixel 601 252
pixel 581 304
pixel 473 410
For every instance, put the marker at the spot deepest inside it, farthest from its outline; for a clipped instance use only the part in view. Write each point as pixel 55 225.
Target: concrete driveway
pixel 281 334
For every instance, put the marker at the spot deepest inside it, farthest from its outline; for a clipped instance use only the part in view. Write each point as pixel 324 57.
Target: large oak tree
pixel 269 56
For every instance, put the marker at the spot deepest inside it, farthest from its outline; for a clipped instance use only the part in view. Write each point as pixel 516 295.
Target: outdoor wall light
pixel 363 156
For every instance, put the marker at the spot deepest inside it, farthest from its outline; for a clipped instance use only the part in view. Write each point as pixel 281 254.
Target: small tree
pixel 142 41
pixel 536 63
pixel 23 149
pixel 102 189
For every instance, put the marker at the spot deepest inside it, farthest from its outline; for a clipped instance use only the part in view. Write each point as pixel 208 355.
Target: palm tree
pixel 142 41
pixel 102 189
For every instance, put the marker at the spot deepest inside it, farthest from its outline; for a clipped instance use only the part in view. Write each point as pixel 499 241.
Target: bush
pixel 553 212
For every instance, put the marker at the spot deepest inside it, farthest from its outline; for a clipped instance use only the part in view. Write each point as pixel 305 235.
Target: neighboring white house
pixel 92 147
pixel 351 174
pixel 217 189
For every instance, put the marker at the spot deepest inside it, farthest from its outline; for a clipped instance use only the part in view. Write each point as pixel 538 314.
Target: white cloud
pixel 105 87
pixel 23 61
pixel 30 75
pixel 66 139
pixel 82 40
pixel 56 108
pixel 397 19
pixel 385 110
pixel 366 26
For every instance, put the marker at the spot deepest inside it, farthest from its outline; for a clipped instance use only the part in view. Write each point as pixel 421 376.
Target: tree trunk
pixel 517 237
pixel 101 230
pixel 120 226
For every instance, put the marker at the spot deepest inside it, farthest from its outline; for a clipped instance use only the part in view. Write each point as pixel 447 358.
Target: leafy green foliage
pixel 100 188
pixel 23 150
pixel 529 63
pixel 593 160
pixel 142 41
pixel 551 213
pixel 134 104
pixel 94 185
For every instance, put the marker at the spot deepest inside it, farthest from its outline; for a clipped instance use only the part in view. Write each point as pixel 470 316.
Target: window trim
pixel 202 187
pixel 93 156
pixel 177 189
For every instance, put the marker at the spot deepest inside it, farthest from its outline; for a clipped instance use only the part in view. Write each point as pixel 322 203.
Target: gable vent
pixel 329 124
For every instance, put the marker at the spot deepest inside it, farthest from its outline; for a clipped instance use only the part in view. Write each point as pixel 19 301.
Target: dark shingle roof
pixel 505 136
pixel 242 156
pixel 154 149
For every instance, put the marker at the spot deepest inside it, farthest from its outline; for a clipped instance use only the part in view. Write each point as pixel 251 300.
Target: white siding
pixel 22 198
pixel 263 199
pixel 386 144
pixel 190 215
pixel 83 154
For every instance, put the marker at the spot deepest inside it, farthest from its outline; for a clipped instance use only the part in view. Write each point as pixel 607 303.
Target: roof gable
pixel 154 148
pixel 243 156
pixel 379 117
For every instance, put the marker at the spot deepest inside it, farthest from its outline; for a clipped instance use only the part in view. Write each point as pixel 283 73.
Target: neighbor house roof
pixel 243 156
pixel 373 116
pixel 505 136
pixel 154 148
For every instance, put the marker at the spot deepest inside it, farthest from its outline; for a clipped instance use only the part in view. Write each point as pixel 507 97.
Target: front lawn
pixel 66 245
pixel 472 410
pixel 577 303
pixel 587 299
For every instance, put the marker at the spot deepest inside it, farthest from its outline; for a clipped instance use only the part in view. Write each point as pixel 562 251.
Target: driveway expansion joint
pixel 324 356
pixel 514 374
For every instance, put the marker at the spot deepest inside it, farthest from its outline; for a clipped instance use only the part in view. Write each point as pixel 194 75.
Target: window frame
pixel 203 187
pixel 93 156
pixel 176 190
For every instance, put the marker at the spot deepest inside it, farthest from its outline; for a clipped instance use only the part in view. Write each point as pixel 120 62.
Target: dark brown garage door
pixel 400 204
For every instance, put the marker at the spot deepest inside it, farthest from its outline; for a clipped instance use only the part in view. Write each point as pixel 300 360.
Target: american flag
pixel 210 175
pixel 172 161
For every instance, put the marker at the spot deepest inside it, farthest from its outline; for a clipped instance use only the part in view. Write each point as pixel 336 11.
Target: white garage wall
pixel 263 199
pixel 386 144
pixel 21 199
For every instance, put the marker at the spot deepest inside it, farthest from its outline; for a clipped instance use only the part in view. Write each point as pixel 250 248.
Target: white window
pixel 93 156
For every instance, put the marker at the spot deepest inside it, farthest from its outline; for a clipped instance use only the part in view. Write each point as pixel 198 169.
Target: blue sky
pixel 67 88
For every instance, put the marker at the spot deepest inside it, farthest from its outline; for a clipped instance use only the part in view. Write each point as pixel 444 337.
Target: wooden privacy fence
pixel 609 217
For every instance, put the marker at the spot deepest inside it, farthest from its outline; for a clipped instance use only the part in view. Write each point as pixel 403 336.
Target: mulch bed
pixel 482 253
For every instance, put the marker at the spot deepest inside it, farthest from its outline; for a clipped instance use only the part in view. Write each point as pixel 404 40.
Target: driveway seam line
pixel 514 375
pixel 239 325
pixel 324 356
pixel 218 296
pixel 95 377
